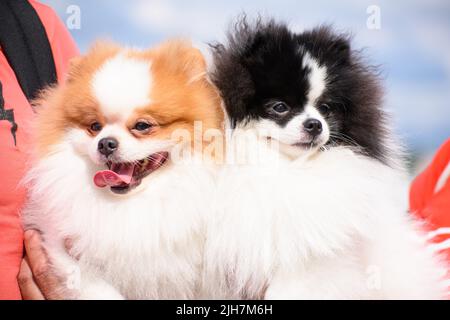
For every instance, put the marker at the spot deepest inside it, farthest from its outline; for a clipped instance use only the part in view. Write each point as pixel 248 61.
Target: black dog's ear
pixel 322 42
pixel 233 81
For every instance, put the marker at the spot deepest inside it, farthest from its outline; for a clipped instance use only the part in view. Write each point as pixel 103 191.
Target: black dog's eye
pixel 280 107
pixel 95 127
pixel 142 126
pixel 324 109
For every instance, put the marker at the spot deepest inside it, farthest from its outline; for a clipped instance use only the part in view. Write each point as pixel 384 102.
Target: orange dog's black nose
pixel 107 146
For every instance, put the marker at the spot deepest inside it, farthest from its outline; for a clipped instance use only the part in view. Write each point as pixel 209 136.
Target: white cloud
pixel 180 19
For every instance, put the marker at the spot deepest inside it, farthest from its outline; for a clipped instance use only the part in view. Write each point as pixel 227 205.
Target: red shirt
pixel 430 198
pixel 13 157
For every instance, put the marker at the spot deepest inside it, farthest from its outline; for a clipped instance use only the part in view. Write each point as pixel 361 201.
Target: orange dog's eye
pixel 142 126
pixel 95 127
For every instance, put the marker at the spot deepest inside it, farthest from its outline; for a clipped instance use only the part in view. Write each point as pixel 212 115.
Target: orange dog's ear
pixel 97 53
pixel 74 62
pixel 73 67
pixel 179 56
pixel 195 64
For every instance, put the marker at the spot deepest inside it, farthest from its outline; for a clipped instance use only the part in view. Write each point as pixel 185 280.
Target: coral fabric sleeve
pixel 423 199
pixel 12 156
pixel 428 203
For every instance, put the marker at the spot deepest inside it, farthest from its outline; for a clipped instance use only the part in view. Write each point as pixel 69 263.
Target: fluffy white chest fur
pixel 332 226
pixel 145 245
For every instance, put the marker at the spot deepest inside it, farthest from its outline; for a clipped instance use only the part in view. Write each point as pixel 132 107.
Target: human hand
pixel 38 279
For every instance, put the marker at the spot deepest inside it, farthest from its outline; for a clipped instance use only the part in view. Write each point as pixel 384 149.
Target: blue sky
pixel 412 46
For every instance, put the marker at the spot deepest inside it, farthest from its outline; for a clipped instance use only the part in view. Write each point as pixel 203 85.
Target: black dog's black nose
pixel 106 146
pixel 313 126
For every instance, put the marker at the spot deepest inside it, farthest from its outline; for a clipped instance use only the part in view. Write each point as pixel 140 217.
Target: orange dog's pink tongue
pixel 118 175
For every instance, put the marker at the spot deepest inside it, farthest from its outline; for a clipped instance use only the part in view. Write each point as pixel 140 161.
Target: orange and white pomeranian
pixel 104 173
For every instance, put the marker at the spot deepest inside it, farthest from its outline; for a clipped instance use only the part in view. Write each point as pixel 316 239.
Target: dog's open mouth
pixel 306 145
pixel 122 177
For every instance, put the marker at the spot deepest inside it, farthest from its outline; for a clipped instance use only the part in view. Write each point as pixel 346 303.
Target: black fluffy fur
pixel 262 62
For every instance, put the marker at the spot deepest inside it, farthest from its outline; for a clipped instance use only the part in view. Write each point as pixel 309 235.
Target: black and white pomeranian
pixel 313 201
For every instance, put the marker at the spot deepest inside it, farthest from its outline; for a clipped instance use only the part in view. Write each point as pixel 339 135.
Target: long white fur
pixel 331 226
pixel 146 245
